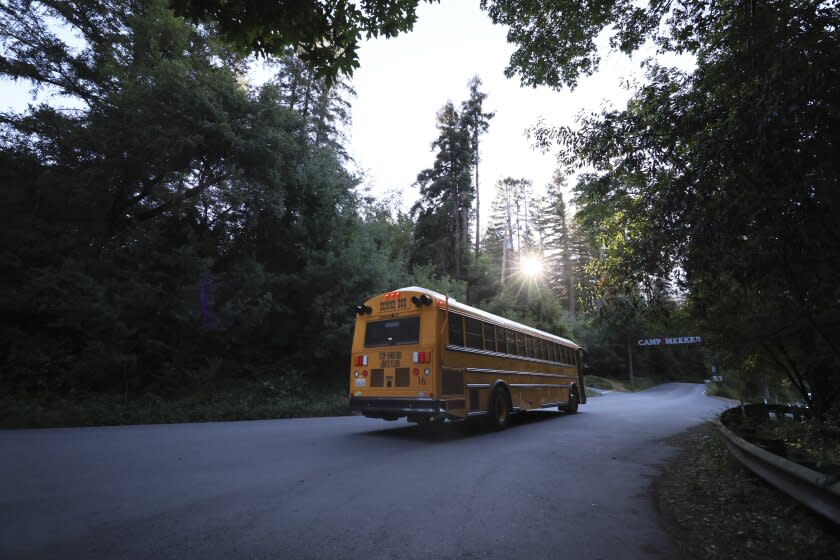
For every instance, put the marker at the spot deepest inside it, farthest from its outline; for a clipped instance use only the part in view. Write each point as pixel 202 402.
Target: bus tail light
pixel 361 360
pixel 416 372
pixel 364 373
pixel 422 357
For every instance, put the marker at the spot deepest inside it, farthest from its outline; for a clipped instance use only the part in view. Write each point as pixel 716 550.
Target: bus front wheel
pixel 499 409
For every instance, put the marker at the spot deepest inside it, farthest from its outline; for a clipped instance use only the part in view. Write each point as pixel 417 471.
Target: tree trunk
pixel 504 257
pixel 567 266
pixel 322 114
pixel 465 232
pixel 508 236
pixel 477 200
pixel 456 200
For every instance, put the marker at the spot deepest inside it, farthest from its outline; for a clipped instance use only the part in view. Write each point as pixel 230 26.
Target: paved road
pixel 551 486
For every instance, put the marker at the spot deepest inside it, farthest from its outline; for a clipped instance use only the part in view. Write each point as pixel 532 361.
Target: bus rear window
pixel 456 329
pixel 393 331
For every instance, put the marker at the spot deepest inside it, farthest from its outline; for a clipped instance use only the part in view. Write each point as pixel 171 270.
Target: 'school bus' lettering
pixel 455 361
pixel 393 304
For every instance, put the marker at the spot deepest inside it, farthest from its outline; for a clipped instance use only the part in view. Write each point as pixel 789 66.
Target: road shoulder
pixel 715 509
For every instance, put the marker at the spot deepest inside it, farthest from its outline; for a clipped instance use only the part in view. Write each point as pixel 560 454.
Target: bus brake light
pixel 422 357
pixel 361 360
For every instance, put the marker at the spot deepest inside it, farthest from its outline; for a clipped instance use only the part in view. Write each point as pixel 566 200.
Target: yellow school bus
pixel 421 355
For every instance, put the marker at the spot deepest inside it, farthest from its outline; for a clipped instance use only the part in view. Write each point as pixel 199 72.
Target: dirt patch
pixel 716 509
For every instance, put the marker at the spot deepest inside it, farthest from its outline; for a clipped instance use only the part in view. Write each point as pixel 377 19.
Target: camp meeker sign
pixel 669 340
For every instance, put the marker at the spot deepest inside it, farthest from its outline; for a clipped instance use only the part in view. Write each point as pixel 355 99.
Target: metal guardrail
pixel 818 491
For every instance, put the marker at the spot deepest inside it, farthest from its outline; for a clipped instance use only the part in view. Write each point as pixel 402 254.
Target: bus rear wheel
pixel 572 406
pixel 499 409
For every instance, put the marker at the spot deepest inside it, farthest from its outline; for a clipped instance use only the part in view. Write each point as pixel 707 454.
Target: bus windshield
pixel 393 331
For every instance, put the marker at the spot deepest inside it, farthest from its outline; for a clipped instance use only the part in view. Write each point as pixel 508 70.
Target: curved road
pixel 551 486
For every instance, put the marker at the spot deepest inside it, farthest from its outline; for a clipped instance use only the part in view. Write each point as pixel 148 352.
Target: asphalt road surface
pixel 550 486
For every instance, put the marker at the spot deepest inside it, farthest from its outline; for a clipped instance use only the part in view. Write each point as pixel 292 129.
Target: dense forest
pixel 170 230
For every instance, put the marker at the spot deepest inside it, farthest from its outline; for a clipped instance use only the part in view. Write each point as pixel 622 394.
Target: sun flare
pixel 531 266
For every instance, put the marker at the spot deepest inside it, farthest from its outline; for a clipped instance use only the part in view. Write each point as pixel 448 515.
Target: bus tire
pixel 572 406
pixel 499 412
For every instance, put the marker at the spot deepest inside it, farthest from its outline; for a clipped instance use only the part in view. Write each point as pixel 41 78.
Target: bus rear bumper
pixel 390 407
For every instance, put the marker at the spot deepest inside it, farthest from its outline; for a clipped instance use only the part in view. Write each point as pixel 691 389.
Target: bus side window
pixel 510 336
pixel 529 346
pixel 555 352
pixel 489 337
pixel 574 357
pixel 500 339
pixel 568 357
pixel 544 350
pixel 472 328
pixel 456 329
pixel 538 348
pixel 520 344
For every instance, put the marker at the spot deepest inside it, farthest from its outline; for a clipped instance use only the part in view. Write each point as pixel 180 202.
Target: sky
pixel 402 83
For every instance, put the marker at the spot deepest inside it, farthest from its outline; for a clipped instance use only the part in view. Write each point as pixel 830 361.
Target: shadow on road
pixel 451 431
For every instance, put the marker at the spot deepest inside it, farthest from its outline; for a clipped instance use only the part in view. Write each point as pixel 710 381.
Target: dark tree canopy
pixel 477 121
pixel 324 33
pixel 172 231
pixel 555 39
pixel 446 195
pixel 727 175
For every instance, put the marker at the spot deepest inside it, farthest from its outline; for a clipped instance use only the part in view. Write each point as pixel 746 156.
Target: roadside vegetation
pixel 807 438
pixel 718 510
pixel 252 401
pixel 790 433
pixel 608 384
pixel 722 390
